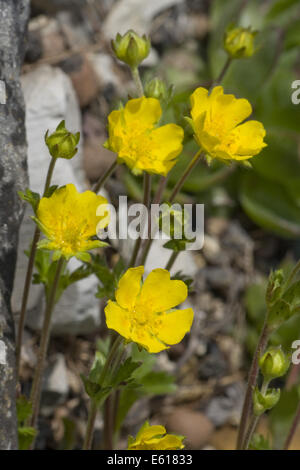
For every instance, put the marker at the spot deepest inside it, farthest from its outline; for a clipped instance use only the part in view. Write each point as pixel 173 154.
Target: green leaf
pixel 26 437
pixel 269 205
pixel 158 383
pixel 124 372
pixel 24 409
pixel 31 197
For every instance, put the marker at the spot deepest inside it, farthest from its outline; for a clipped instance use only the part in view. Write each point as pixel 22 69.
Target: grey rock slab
pixel 14 16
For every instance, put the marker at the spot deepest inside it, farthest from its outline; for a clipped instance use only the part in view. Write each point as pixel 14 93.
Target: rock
pixel 134 14
pixel 13 177
pixel 83 76
pixel 194 425
pixel 55 387
pixel 53 6
pixel 96 158
pixel 226 408
pixel 2 92
pixel 159 256
pixel 50 97
pixel 213 364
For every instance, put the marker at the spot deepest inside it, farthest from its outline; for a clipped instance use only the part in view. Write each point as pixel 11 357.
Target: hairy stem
pixel 35 395
pixel 183 178
pixel 292 430
pixel 28 276
pixel 146 202
pixel 103 179
pixel 172 260
pixel 253 373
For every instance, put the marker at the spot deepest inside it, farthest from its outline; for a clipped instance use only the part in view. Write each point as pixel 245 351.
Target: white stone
pixel 50 98
pixel 2 92
pixel 2 353
pixel 134 14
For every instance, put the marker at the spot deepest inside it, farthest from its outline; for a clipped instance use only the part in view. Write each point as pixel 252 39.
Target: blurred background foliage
pixel 270 192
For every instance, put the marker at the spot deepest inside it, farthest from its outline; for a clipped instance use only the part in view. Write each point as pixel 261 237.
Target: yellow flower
pixel 155 438
pixel 68 219
pixel 137 142
pixel 144 313
pixel 216 120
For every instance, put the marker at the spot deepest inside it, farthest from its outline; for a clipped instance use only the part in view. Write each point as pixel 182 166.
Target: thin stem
pixel 109 422
pixel 253 373
pixel 28 276
pixel 94 406
pixel 96 188
pixel 146 203
pixel 254 419
pixel 26 290
pixel 87 445
pixel 292 430
pixel 156 200
pixel 223 72
pixel 137 80
pixel 172 260
pixel 188 170
pixel 252 426
pixel 49 175
pixel 36 384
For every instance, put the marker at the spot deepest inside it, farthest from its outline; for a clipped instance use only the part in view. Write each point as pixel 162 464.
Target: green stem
pixel 96 188
pixel 223 72
pixel 29 272
pixel 188 170
pixel 253 373
pixel 36 384
pixel 292 430
pixel 87 445
pixel 146 202
pixel 254 419
pixel 172 260
pixel 252 426
pixel 156 200
pixel 94 406
pixel 137 80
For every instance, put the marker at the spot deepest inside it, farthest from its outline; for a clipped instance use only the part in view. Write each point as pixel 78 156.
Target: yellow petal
pixel 250 138
pixel 145 110
pixel 117 319
pixel 199 101
pixel 129 287
pixel 159 293
pixel 148 432
pixel 225 111
pixel 175 325
pixel 169 139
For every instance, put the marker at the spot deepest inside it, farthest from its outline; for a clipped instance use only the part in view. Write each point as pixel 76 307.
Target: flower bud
pixel 62 143
pixel 239 42
pixel 265 401
pixel 274 287
pixel 274 363
pixel 131 48
pixel 157 88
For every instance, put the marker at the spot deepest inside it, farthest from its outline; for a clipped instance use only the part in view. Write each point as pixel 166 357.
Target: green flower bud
pixel 131 48
pixel 62 143
pixel 239 42
pixel 274 287
pixel 157 88
pixel 274 363
pixel 173 220
pixel 265 401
